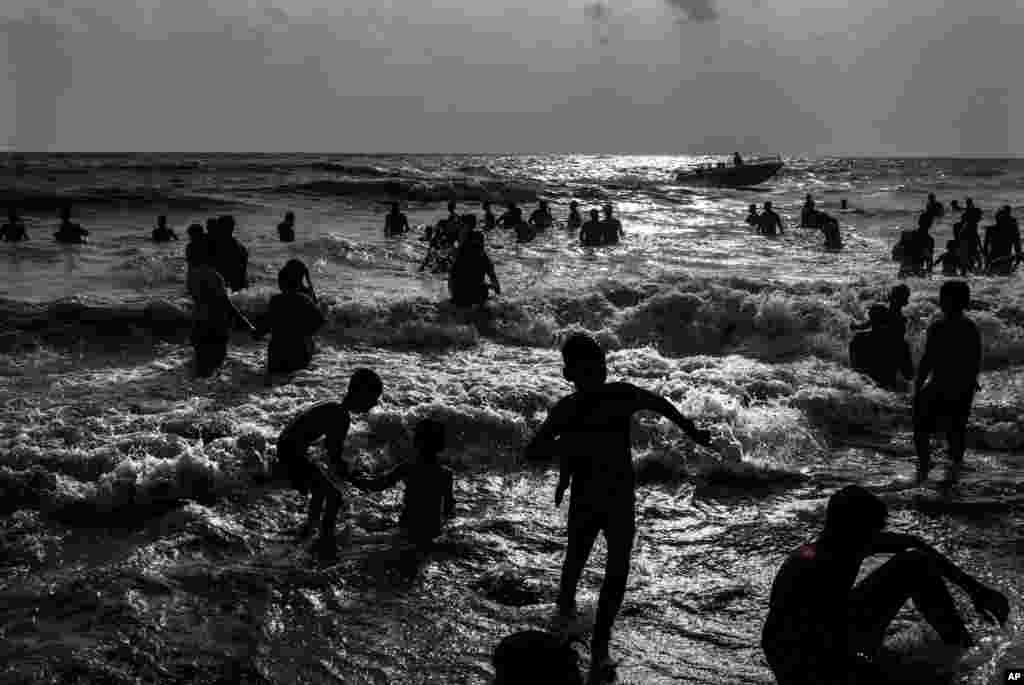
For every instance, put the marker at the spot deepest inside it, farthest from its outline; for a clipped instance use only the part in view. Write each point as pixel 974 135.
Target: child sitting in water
pixel 332 420
pixel 428 497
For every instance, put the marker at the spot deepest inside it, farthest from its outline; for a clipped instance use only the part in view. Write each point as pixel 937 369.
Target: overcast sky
pixel 923 77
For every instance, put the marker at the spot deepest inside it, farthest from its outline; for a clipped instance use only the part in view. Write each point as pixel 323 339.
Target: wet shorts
pixel 940 408
pixel 293 465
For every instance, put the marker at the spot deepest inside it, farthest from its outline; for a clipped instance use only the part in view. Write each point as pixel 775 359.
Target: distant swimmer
pixel 286 229
pixel 881 352
pixel 809 214
pixel 525 232
pixel 830 229
pixel 575 220
pixel 14 230
pixel 844 204
pixel 934 207
pixel 292 319
pixel 300 270
pixel 395 223
pixel 770 220
pixel 213 312
pixel 1002 246
pixel 736 159
pixel 947 379
pixel 954 206
pixel 753 218
pixel 429 498
pixel 231 259
pixel 592 233
pixel 541 217
pixel 589 432
pixel 490 221
pixel 613 232
pixel 512 217
pixel 331 421
pixel 916 249
pixel 951 260
pixel 69 232
pixel 468 280
pixel 823 628
pixel 163 233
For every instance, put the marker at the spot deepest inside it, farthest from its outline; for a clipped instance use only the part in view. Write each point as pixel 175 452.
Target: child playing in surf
pixel 821 628
pixel 331 421
pixel 428 500
pixel 947 379
pixel 590 431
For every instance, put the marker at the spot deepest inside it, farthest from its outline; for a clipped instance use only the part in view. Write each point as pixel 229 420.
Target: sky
pixel 828 77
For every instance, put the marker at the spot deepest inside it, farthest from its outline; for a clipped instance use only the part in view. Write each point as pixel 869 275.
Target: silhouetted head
pixel 899 295
pixel 954 297
pixel 485 205
pixel 395 208
pixel 955 204
pixel 878 315
pixel 469 221
pixel 65 213
pixel 195 231
pixel 924 222
pixel 512 205
pixel 607 209
pixel 533 657
pixel 542 204
pixel 931 198
pixel 573 204
pixel 161 221
pixel 429 439
pixel 211 226
pixel 364 390
pixel 289 278
pixel 475 241
pixel 808 198
pixel 752 209
pixel 594 215
pixel 768 205
pixel 227 224
pixel 1007 211
pixel 968 202
pixel 853 517
pixel 584 362
pixel 950 245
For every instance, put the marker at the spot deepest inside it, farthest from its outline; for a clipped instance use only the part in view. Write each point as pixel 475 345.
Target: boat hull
pixel 733 176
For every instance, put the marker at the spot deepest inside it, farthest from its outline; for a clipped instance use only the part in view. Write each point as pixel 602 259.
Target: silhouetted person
pixel 830 229
pixel 395 223
pixel 489 221
pixel 230 256
pixel 736 159
pixel 575 221
pixel 331 421
pixel 611 226
pixel 753 218
pixel 947 378
pixel 965 232
pixel 881 352
pixel 770 221
pixel 299 270
pixel 972 215
pixel 592 232
pixel 14 230
pixel 898 298
pixel 470 272
pixel 821 628
pixel 69 232
pixel 163 233
pixel 1002 246
pixel 286 229
pixel 590 433
pixel 512 217
pixel 951 260
pixel 429 498
pixel 934 207
pixel 196 237
pixel 292 319
pixel 808 214
pixel 844 204
pixel 954 206
pixel 918 248
pixel 213 312
pixel 541 217
pixel 533 657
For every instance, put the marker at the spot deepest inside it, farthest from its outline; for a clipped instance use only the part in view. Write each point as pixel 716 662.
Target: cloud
pixel 697 11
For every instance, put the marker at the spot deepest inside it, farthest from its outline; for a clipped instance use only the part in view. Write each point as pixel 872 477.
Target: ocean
pixel 140 542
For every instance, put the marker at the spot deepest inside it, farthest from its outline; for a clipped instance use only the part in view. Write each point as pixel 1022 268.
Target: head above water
pixel 395 208
pixel 485 205
pixel 584 362
pixel 429 439
pixel 768 205
pixel 364 390
pixel 954 297
pixel 607 209
pixel 533 657
pixel 752 209
pixel 542 204
pixel 195 231
pixel 573 204
pixel 853 516
pixel 899 295
pixel 469 220
pixel 931 197
pixel 968 202
pixel 878 314
pixel 65 213
pixel 161 220
pixel 290 277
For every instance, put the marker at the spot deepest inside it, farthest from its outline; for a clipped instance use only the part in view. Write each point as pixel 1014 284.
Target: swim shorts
pixel 293 465
pixel 942 407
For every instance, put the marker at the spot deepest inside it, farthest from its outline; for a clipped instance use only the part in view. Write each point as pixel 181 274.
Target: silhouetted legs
pixel 955 408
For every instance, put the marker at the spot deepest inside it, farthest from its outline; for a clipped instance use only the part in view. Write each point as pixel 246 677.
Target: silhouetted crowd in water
pixel 821 626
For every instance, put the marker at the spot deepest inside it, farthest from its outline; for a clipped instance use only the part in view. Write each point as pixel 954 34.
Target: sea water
pixel 141 543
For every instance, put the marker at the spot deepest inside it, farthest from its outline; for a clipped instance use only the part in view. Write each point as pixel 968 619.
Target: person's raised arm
pixel 649 401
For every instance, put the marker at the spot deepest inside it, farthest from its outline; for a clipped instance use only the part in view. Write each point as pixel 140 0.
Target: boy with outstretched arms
pixel 590 431
pixel 822 629
pixel 428 500
pixel 330 420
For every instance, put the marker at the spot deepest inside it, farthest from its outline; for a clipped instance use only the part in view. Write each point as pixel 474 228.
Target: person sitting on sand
pixel 331 421
pixel 950 260
pixel 213 312
pixel 534 657
pixel 292 319
pixel 881 352
pixel 947 379
pixel 592 233
pixel 231 259
pixel 575 220
pixel 590 433
pixel 541 217
pixel 490 221
pixel 163 233
pixel 429 499
pixel 821 628
pixel 934 207
pixel 69 232
pixel 286 229
pixel 1002 247
pixel 467 282
pixel 395 223
pixel 611 226
pixel 753 218
pixel 14 230
pixel 770 221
